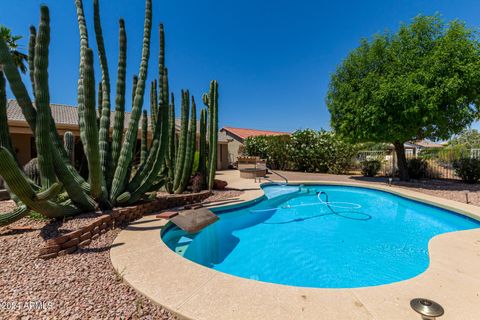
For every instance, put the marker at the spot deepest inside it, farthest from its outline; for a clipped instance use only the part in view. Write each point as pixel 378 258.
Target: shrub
pixel 256 147
pixel 305 150
pixel 340 155
pixel 271 148
pixel 370 168
pixel 468 169
pixel 417 168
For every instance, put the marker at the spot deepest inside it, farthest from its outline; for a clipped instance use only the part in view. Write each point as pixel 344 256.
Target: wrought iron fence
pixel 440 161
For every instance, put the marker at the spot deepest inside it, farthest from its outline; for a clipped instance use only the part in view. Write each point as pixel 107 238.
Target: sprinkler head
pixel 428 309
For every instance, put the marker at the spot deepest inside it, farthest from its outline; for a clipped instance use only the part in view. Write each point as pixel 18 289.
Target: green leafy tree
pixel 469 138
pixel 420 82
pixel 19 58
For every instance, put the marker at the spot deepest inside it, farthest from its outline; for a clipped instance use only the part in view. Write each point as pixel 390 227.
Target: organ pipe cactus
pixel 186 171
pixel 211 101
pixel 144 147
pixel 60 190
pixel 31 170
pixel 69 144
pixel 202 159
pixel 118 121
pixel 105 115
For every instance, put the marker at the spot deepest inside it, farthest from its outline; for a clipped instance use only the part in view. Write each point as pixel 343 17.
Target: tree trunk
pixel 401 161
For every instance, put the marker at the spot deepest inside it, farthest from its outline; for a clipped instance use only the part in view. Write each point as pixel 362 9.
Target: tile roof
pixel 245 133
pixel 68 115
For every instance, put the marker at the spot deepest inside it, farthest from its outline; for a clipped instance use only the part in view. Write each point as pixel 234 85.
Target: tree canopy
pixel 421 82
pixel 19 58
pixel 469 138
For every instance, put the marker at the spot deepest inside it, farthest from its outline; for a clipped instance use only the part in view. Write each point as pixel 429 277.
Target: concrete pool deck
pixel 195 292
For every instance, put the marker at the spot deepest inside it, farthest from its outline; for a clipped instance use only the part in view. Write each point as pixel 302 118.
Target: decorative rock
pixel 88 227
pixel 70 243
pixel 68 250
pixel 85 243
pixel 48 256
pixel 75 234
pixel 105 218
pixel 85 236
pixel 58 240
pixel 49 249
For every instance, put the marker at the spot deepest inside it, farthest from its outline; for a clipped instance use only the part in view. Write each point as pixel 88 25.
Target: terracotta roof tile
pixel 68 115
pixel 245 133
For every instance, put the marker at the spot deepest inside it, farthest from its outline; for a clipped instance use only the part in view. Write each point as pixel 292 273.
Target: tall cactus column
pixel 213 132
pixel 104 130
pixel 182 144
pixel 5 140
pixel 42 102
pixel 88 128
pixel 126 155
pixel 202 160
pixel 118 124
pixel 190 150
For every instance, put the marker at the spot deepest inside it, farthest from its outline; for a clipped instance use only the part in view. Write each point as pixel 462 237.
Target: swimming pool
pixel 320 236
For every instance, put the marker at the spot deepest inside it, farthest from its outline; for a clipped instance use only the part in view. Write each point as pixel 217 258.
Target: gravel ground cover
pixel 82 285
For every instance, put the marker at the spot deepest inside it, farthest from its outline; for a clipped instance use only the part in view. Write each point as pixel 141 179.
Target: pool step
pixel 192 221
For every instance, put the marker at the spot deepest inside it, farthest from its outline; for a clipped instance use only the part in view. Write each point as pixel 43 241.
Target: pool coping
pixel 192 291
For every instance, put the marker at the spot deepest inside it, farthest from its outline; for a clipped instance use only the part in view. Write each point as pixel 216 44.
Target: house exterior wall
pixel 222 156
pixel 234 146
pixel 22 146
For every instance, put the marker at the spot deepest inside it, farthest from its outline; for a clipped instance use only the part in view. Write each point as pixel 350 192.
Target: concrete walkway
pixel 196 292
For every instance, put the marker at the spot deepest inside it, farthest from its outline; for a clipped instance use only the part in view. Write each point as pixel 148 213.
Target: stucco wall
pixel 233 147
pixel 21 144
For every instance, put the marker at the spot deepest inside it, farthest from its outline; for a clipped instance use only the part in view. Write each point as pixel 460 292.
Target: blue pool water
pixel 360 237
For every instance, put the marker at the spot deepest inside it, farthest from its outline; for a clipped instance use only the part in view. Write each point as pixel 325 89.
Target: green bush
pixel 468 169
pixel 417 168
pixel 256 147
pixel 370 168
pixel 305 150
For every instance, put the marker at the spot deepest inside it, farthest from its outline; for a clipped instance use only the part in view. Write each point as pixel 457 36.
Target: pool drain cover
pixel 427 308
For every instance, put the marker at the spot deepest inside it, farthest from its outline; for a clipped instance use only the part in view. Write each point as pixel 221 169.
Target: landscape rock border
pixel 70 242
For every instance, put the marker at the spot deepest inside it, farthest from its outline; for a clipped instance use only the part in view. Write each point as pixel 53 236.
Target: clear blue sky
pixel 273 59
